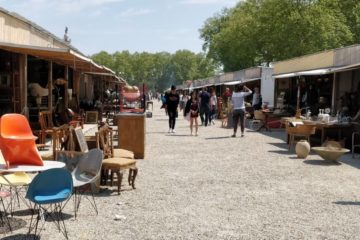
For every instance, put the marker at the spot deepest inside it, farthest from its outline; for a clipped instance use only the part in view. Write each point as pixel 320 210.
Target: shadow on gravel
pixel 280 145
pixel 280 152
pixel 21 236
pixel 214 138
pixel 275 133
pixel 156 132
pixel 15 224
pixel 321 163
pixel 347 203
pixel 354 162
pixel 21 213
pixel 178 135
pixel 106 192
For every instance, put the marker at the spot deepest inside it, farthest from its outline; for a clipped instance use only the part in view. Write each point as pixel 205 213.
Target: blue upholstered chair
pixel 51 187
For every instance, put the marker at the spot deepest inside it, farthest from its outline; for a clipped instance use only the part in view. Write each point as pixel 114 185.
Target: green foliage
pixel 157 70
pixel 258 32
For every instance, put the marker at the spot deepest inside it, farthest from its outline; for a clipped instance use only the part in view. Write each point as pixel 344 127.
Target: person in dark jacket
pixel 205 107
pixel 172 102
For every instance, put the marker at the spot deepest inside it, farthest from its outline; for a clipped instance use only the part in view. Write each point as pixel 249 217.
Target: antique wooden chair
pixel 258 121
pixel 112 163
pixel 63 139
pixel 46 125
pixel 76 118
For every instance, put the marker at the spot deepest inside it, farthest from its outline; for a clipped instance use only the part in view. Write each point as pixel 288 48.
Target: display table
pixel 325 127
pixel 131 133
pixel 31 168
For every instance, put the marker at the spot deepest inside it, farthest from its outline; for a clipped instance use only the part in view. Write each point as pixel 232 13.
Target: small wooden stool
pixel 118 165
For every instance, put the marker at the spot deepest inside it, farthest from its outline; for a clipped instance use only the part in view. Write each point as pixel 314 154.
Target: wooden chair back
pixel 259 115
pixel 46 120
pixel 104 141
pixel 63 139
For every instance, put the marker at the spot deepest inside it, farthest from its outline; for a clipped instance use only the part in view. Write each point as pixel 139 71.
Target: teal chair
pixel 49 190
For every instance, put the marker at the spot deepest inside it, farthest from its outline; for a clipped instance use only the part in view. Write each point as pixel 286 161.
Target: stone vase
pixel 302 149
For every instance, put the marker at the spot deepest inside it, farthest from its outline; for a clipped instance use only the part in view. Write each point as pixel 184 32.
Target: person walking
pixel 204 107
pixel 257 99
pixel 192 108
pixel 213 106
pixel 239 107
pixel 172 102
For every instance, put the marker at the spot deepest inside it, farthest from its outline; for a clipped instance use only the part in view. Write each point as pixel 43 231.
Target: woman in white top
pixel 239 107
pixel 213 104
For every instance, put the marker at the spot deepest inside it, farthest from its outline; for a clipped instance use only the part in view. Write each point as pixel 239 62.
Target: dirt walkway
pixel 216 187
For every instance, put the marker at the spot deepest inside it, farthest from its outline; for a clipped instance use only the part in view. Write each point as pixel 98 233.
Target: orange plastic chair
pixel 17 142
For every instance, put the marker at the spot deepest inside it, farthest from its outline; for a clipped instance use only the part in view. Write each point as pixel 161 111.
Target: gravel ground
pixel 216 187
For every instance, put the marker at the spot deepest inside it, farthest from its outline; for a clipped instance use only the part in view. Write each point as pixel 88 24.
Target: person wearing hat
pixel 172 102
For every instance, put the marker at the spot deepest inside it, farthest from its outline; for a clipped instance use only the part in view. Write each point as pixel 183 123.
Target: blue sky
pixel 116 25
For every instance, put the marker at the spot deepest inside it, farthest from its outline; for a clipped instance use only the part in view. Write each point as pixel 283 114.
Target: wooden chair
pixel 300 131
pixel 115 164
pixel 63 139
pixel 76 118
pixel 46 125
pixel 259 120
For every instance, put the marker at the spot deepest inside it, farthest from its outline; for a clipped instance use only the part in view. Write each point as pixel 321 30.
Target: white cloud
pixel 66 6
pixel 205 2
pixel 74 6
pixel 134 12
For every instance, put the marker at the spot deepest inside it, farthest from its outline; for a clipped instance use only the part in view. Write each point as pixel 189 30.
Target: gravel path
pixel 216 187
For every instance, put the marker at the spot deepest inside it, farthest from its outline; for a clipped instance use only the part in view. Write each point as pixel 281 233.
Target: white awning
pixel 202 86
pixel 238 81
pixel 232 82
pixel 250 80
pixel 315 72
pixel 347 68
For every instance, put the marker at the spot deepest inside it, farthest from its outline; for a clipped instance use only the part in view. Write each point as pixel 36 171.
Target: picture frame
pixel 80 137
pixel 91 117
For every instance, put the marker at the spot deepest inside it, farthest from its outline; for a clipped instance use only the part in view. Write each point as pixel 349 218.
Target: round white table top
pixel 31 168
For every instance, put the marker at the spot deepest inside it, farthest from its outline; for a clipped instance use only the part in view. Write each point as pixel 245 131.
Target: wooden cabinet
pixel 131 133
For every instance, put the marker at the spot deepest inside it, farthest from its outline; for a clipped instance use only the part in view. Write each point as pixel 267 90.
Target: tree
pixel 157 70
pixel 257 32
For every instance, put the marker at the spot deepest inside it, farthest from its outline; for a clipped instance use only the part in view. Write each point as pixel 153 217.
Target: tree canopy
pixel 257 32
pixel 254 32
pixel 157 70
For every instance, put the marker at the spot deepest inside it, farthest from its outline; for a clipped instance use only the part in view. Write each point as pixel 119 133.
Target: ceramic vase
pixel 302 149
